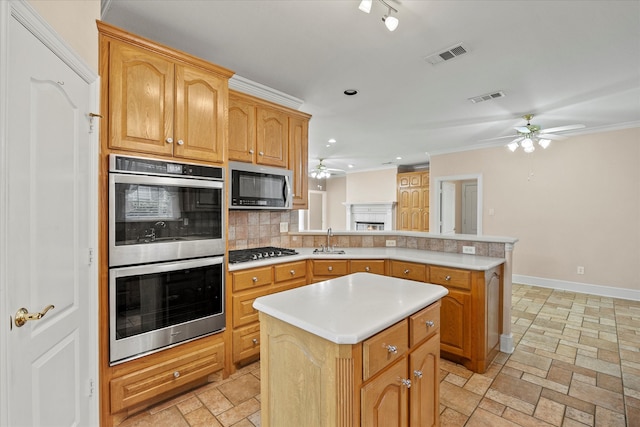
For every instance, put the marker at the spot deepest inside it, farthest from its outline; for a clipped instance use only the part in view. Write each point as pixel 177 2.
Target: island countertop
pixel 352 308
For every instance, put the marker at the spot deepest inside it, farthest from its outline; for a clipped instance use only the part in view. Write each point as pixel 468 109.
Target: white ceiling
pixel 568 62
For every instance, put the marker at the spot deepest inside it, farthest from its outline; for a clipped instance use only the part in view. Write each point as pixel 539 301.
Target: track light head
pixel 365 6
pixel 391 22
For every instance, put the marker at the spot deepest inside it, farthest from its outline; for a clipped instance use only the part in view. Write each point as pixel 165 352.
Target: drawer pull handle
pixel 251 151
pixel 430 323
pixel 293 272
pixel 407 271
pixel 176 374
pixel 447 278
pixel 330 268
pixel 417 374
pixel 254 341
pixel 405 382
pixel 255 279
pixel 261 153
pixel 392 349
pixel 367 268
pixel 180 142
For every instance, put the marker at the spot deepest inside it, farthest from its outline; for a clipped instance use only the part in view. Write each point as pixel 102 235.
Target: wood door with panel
pixel 272 138
pixel 201 105
pixel 242 129
pixel 455 318
pixel 385 400
pixel 143 84
pixel 424 369
pixel 298 160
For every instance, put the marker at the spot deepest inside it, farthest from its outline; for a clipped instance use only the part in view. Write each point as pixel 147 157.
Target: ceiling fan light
pixel 544 143
pixel 527 143
pixel 391 22
pixel 529 149
pixel 365 6
pixel 513 146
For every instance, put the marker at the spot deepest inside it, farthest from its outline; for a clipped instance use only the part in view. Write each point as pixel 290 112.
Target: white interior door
pixel 317 214
pixel 50 232
pixel 448 208
pixel 469 208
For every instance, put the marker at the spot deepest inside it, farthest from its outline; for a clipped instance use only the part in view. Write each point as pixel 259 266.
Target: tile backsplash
pixel 252 229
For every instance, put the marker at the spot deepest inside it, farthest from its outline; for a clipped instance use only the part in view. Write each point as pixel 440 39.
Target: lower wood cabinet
pixel 375 266
pixel 325 269
pixel 390 379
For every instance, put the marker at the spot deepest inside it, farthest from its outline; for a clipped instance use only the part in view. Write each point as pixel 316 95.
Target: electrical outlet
pixel 390 243
pixel 580 269
pixel 284 227
pixel 469 250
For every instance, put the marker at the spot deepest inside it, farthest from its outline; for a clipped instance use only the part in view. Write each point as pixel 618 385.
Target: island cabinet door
pixel 424 370
pixel 385 399
pixel 455 323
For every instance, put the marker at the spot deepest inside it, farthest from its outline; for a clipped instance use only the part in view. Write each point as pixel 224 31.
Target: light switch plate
pixel 469 250
pixel 390 243
pixel 284 227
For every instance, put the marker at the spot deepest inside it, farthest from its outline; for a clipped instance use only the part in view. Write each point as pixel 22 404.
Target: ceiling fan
pixel 528 135
pixel 321 171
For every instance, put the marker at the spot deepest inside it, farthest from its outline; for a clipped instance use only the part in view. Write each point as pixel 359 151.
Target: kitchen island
pixel 361 349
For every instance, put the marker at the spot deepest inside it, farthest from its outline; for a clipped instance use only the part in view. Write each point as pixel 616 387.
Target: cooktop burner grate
pixel 244 255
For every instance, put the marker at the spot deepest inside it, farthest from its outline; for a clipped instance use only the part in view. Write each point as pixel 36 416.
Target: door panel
pixel 50 361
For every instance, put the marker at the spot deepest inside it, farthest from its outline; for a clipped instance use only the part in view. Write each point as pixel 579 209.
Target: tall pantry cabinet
pixel 413 201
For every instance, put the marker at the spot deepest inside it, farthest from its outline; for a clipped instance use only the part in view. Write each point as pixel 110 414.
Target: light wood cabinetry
pixel 413 201
pixel 164 104
pixel 325 269
pixel 409 270
pixel 298 160
pixel 247 285
pixel 390 379
pixel 375 266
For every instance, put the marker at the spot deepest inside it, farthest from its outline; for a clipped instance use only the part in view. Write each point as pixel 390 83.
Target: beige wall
pixel 576 203
pixel 372 186
pixel 75 21
pixel 336 196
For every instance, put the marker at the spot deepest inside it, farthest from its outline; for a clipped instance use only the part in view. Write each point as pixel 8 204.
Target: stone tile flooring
pixel 576 363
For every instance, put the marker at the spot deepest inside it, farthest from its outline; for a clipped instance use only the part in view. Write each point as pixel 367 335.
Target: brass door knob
pixel 23 315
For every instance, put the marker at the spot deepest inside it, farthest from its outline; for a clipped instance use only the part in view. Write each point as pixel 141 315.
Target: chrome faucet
pixel 329 234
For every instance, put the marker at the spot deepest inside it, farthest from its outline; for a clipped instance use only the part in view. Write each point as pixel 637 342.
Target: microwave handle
pixel 286 191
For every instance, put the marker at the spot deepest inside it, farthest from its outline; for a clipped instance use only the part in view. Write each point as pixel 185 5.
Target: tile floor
pixel 576 363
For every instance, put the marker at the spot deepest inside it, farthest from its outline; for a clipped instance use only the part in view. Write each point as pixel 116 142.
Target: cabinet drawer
pixel 375 266
pixel 252 278
pixel 384 347
pixel 424 323
pixel 290 270
pixel 246 342
pixel 136 387
pixel 330 267
pixel 243 311
pixel 408 270
pixel 450 277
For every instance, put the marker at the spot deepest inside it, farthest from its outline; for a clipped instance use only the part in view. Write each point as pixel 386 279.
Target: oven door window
pixel 147 302
pixel 148 213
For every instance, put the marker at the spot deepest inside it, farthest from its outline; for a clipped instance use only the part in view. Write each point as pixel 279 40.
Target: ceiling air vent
pixel 487 97
pixel 447 54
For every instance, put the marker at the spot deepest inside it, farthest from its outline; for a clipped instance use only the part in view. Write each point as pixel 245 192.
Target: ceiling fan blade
pixel 551 137
pixel 518 139
pixel 499 137
pixel 562 128
pixel 522 129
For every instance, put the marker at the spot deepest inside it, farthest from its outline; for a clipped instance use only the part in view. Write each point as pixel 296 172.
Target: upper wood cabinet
pixel 413 201
pixel 298 160
pixel 162 102
pixel 272 137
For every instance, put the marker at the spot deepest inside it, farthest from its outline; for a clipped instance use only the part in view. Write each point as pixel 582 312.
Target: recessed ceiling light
pixel 398 158
pixel 332 141
pixel 350 92
pixel 350 166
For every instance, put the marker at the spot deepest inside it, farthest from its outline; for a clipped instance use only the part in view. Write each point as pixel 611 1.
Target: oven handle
pixel 121 178
pixel 163 267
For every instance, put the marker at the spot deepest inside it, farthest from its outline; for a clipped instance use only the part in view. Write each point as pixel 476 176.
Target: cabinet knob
pixel 293 272
pixel 367 268
pixel 330 268
pixel 261 153
pixel 176 374
pixel 255 279
pixel 405 382
pixel 406 271
pixel 251 151
pixel 417 374
pixel 169 140
pixel 392 349
pixel 254 341
pixel 447 278
pixel 180 142
pixel 430 323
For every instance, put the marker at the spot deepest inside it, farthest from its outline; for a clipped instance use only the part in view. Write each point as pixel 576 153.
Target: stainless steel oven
pixel 155 306
pixel 161 210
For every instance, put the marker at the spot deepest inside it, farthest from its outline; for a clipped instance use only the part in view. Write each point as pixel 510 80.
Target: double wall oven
pixel 166 254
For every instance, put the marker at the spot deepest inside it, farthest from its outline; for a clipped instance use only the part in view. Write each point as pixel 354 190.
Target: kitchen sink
pixel 330 252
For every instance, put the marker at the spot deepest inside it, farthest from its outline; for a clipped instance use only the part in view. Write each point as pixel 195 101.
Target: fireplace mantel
pixel 372 212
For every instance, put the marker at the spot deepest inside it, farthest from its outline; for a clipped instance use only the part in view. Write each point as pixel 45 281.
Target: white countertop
pixel 352 308
pixel 445 259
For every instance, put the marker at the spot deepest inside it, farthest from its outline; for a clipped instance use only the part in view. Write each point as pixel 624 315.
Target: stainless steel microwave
pixel 259 187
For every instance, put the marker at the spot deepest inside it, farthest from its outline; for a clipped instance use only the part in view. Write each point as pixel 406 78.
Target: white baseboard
pixel 506 343
pixel 583 288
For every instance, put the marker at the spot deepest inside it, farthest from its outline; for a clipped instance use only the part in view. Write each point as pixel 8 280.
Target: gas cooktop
pixel 244 255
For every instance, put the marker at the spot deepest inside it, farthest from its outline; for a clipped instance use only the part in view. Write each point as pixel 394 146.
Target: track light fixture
pixel 391 22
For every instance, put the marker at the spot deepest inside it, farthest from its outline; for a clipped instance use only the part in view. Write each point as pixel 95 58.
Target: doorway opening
pixel 457 204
